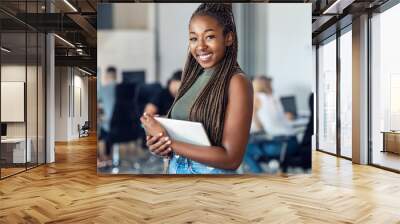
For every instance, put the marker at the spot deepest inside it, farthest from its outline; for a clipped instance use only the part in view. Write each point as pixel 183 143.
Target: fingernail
pixel 170 149
pixel 169 142
pixel 166 139
pixel 160 134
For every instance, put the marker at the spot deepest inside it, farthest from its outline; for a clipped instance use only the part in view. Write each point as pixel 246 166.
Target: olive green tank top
pixel 181 110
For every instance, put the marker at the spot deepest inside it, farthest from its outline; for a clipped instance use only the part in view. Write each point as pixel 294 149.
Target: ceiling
pixel 332 15
pixel 76 22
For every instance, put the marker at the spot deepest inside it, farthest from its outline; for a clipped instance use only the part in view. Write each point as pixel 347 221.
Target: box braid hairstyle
pixel 210 106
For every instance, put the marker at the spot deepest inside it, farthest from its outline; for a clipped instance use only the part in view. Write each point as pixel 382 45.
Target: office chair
pixel 84 130
pixel 280 149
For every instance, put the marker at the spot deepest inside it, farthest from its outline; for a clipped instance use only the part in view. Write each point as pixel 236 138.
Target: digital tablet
pixel 185 131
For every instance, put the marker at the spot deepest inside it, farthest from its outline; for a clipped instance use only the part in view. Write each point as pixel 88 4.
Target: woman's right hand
pixel 159 145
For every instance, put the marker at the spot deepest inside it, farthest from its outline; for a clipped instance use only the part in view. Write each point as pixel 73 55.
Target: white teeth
pixel 205 57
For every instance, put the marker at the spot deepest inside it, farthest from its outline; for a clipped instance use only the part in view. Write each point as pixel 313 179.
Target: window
pixel 23 77
pixel 327 96
pixel 346 94
pixel 385 89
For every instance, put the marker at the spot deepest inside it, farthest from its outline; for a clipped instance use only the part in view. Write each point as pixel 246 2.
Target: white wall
pixel 14 72
pixel 173 36
pixel 127 16
pixel 131 44
pixel 80 84
pixel 61 103
pixel 289 50
pixel 127 50
pixel 68 82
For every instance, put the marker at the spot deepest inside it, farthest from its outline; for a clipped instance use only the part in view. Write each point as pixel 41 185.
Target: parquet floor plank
pixel 70 191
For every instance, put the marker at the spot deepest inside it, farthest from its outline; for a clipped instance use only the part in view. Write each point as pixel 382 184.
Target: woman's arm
pixel 236 131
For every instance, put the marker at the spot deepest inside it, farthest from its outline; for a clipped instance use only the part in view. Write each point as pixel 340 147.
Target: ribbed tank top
pixel 181 109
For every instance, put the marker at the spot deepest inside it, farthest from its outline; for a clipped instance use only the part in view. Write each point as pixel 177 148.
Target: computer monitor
pixel 3 129
pixel 289 105
pixel 137 77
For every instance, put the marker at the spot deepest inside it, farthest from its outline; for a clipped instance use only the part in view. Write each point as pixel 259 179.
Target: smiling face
pixel 207 42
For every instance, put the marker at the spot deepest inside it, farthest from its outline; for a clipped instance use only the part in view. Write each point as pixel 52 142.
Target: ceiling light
pixel 5 50
pixel 65 41
pixel 84 71
pixel 338 6
pixel 70 5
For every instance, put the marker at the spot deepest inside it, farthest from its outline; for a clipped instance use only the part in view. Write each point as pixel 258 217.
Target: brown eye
pixel 193 39
pixel 210 37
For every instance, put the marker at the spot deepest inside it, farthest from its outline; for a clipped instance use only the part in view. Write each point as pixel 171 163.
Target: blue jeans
pixel 182 165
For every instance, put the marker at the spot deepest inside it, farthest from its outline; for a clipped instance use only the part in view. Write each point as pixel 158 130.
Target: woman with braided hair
pixel 215 92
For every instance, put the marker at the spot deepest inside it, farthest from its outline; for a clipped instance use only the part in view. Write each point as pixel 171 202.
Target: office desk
pixel 391 141
pixel 299 125
pixel 15 148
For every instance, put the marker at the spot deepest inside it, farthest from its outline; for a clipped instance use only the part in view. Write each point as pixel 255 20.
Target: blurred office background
pixel 147 43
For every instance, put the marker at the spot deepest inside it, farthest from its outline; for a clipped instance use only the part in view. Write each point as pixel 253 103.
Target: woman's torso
pixel 181 111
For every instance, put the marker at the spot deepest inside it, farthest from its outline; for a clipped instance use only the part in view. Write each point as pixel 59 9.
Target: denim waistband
pixel 182 165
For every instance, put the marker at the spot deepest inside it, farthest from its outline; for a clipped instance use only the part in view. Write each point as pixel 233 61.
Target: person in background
pixel 106 105
pixel 269 119
pixel 269 114
pixel 162 102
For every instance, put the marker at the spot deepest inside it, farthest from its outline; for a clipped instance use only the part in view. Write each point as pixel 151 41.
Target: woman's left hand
pixel 159 145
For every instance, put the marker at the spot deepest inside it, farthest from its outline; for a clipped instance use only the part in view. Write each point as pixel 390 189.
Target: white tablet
pixel 185 131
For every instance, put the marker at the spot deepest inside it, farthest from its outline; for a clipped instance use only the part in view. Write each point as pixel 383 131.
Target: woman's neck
pixel 211 69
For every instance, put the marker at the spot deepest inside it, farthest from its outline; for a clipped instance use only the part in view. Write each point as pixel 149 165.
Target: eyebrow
pixel 207 30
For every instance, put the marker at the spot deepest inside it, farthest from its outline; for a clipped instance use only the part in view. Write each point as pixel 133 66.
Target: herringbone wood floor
pixel 70 191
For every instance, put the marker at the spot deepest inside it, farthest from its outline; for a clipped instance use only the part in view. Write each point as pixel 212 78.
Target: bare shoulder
pixel 240 84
